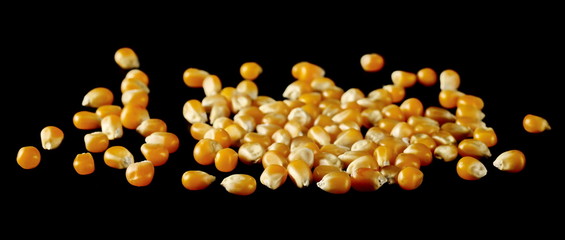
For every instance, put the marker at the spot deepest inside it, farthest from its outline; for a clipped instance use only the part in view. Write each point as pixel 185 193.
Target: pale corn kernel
pixel 416 120
pixel 449 80
pixel 139 75
pixel 248 87
pixel 168 139
pixel 352 95
pixel 302 154
pixel 28 157
pixel 300 173
pixel 236 133
pixel 350 156
pixel 302 141
pixel 274 157
pixel 384 155
pixel 404 79
pixel 126 58
pixel 273 176
pixel 381 95
pixel 140 174
pixel 368 103
pixel 446 152
pixel 84 163
pixel 397 93
pixel 222 122
pixel 281 136
pixel 111 125
pixel 367 179
pixel 198 129
pixel 252 111
pixel 319 135
pixel 194 77
pixel 425 128
pixel 334 149
pixel 510 161
pixel 193 111
pixel 250 70
pixel 375 134
pixel 275 107
pixel 226 160
pixel 118 157
pixel 251 152
pixel 245 121
pixel 295 89
pixel 132 115
pixel 535 124
pixel 197 179
pixel 158 154
pixel 209 101
pixel 51 137
pixel 96 142
pixel 329 159
pixel 267 129
pixel 205 151
pixel 333 131
pixel 459 132
pixel 284 149
pixel 321 170
pixel 425 139
pixel 448 98
pixel 364 145
pixel 219 111
pixel 366 161
pixel 135 97
pixel 313 110
pixel 470 168
pixel 300 116
pixel 253 137
pixel 422 152
pixel 321 84
pixel 348 137
pixel 262 99
pixel 274 118
pixel 334 92
pixel 351 105
pixel 151 125
pixel 443 137
pixel 86 120
pixel 294 128
pixel 133 84
pixel 402 130
pixel 332 110
pixel 472 123
pixel 370 117
pixel 335 183
pixel 486 135
pixel 239 184
pixel 440 115
pixel 390 172
pixel 97 97
pixel 473 148
pixel 106 110
pixel 212 85
pixel 219 135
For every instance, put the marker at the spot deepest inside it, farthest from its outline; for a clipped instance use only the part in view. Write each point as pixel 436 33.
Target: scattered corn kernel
pixel 335 182
pixel 205 151
pixel 367 179
pixel 510 161
pixel 446 152
pixel 51 137
pixel 300 173
pixel 427 76
pixel 473 148
pixel 168 139
pixel 140 174
pixel 84 163
pixel 126 58
pixel 96 142
pixel 111 125
pixel 86 120
pixel 118 157
pixel 197 180
pixel 449 80
pixel 158 154
pixel 132 116
pixel 486 135
pixel 250 70
pixel 470 168
pixel 535 124
pixel 194 77
pixel 239 184
pixel 226 160
pixel 410 178
pixel 403 79
pixel 151 125
pixel 97 97
pixel 273 176
pixel 28 157
pixel 372 62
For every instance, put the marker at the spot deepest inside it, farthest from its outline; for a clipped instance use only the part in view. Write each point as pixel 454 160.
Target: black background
pixel 514 65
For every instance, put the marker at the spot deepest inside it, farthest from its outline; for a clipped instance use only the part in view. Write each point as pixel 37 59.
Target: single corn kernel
pixel 404 160
pixel 198 129
pixel 473 148
pixel 250 70
pixel 274 157
pixel 372 62
pixel 133 84
pixel 97 97
pixel 303 154
pixel 240 101
pixel 306 71
pixel 459 132
pixel 273 176
pixel 300 173
pixel 535 124
pixel 96 142
pixel 28 157
pixel 197 179
pixel 448 98
pixel 106 110
pixel 375 134
pixel 427 76
pixel 222 122
pixel 194 112
pixel 300 116
pixel 446 152
pixel 139 75
pixel 440 115
pixel 334 92
pixel 443 137
pixel 321 84
pixel 296 89
pixel 248 87
pixel 348 137
pixel 267 130
pixel 367 179
pixel 422 152
pixel 167 139
pixel 390 172
pixel 412 107
pixel 410 178
pixel 486 135
pixel 239 184
pixel 251 152
pixel 403 78
pixel 212 85
pixel 111 125
pixel 205 151
pixel 209 101
pixel 126 58
pixel 398 145
pixel 86 120
pixel 381 95
pixel 282 148
pixel 384 155
pixel 510 161
pixel 235 131
pixel 468 111
pixel 470 100
pixel 151 125
pixel 402 130
pixel 425 139
pixel 132 116
pixel 140 174
pixel 397 93
pixel 136 97
pixel 449 80
pixel 335 182
pixel 470 168
pixel 319 135
pixel 219 135
pixel 194 77
pixel 226 160
pixel 366 161
pixel 158 154
pixel 84 163
pixel 245 121
pixel 253 137
pixel 393 111
pixel 51 137
pixel 470 122
pixel 118 157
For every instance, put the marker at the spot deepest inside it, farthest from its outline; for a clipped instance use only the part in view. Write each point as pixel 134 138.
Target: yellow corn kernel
pixel 219 111
pixel 251 152
pixel 194 112
pixel 347 115
pixel 97 97
pixel 446 152
pixel 84 163
pixel 510 161
pixel 366 161
pixel 135 97
pixel 239 184
pixel 372 62
pixel 302 153
pixel 245 121
pixel 410 178
pixel 375 134
pixel 151 125
pixel 126 58
pixel 468 111
pixel 86 120
pixel 132 115
pixel 425 139
pixel 51 137
pixel 294 128
pixel 348 137
pixel 535 124
pixel 248 87
pixel 111 125
pixel 168 139
pixel 403 78
pixel 194 77
pixel 412 107
pixel 267 130
pixel 240 101
pixel 334 149
pixel 486 135
pixel 404 160
pixel 393 111
pixel 274 157
pixel 397 93
pixel 262 99
pixel 300 116
pixel 390 172
pixel 427 76
pixel 197 179
pixel 335 182
pixel 449 80
pixel 96 142
pixel 219 135
pixel 319 135
pixel 334 92
pixel 470 100
pixel 282 148
pixel 226 160
pixel 350 156
pixel 28 157
pixel 398 145
pixel 321 84
pixel 311 98
pixel 402 130
pixel 205 151
pixel 140 174
pixel 470 122
pixel 300 173
pixel 133 84
pixel 381 95
pixel 384 155
pixel 235 131
pixel 222 122
pixel 321 170
pixel 250 70
pixel 306 71
pixel 275 107
pixel 328 159
pixel 212 85
pixel 273 176
pixel 459 132
pixel 139 75
pixel 370 117
pixel 198 129
pixel 443 137
pixel 367 179
pixel 448 98
pixel 158 154
pixel 209 101
pixel 274 118
pixel 352 95
pixel 473 148
pixel 106 110
pixel 470 168
pixel 440 115
pixel 422 152
pixel 364 145
pixel 417 120
pixel 118 157
pixel 295 89
pixel 425 128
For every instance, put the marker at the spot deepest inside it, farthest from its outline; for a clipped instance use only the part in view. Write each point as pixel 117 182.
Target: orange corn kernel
pixel 448 98
pixel 197 180
pixel 198 129
pixel 473 148
pixel 96 142
pixel 427 76
pixel 470 168
pixel 367 179
pixel 239 184
pixel 205 151
pixel 97 97
pixel 510 161
pixel 535 124
pixel 412 107
pixel 409 178
pixel 158 154
pixel 133 115
pixel 106 110
pixel 403 78
pixel 84 163
pixel 140 174
pixel 250 70
pixel 138 75
pixel 335 182
pixel 273 176
pixel 194 77
pixel 118 157
pixel 168 139
pixel 151 125
pixel 226 160
pixel 372 62
pixel 28 157
pixel 194 112
pixel 86 120
pixel 51 137
pixel 300 173
pixel 219 135
pixel 486 135
pixel 126 58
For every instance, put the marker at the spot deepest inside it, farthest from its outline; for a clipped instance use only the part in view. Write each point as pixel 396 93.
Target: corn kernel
pixel 86 120
pixel 226 160
pixel 397 93
pixel 198 129
pixel 168 139
pixel 133 84
pixel 96 142
pixel 118 157
pixel 111 125
pixel 274 157
pixel 390 172
pixel 410 178
pixel 205 151
pixel 404 160
pixel 412 107
pixel 446 152
pixel 212 85
pixel 384 155
pixel 97 97
pixel 367 179
pixel 84 163
pixel 306 71
pixel 194 112
pixel 449 80
pixel 470 100
pixel 219 135
pixel 140 174
pixel 273 176
pixel 28 157
pixel 135 97
pixel 300 173
pixel 158 154
pixel 366 161
pixel 372 62
pixel 469 168
pixel 139 75
pixel 404 79
pixel 250 70
pixel 51 137
pixel 132 116
pixel 239 184
pixel 126 58
pixel 335 182
pixel 440 115
pixel 197 179
pixel 510 161
pixel 448 98
pixel 422 152
pixel 427 76
pixel 459 132
pixel 194 77
pixel 486 135
pixel 473 148
pixel 150 126
pixel 535 124
pixel 106 110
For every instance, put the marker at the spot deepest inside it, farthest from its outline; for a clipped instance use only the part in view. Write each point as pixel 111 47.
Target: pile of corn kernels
pixel 319 135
